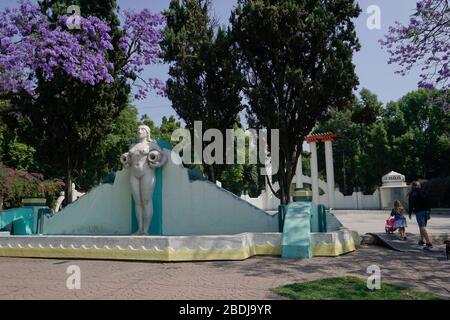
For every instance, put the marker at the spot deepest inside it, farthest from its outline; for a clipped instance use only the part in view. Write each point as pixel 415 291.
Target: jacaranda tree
pixel 69 77
pixel 424 42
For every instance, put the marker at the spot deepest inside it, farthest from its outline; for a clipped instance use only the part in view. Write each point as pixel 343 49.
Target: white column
pixel 299 173
pixel 314 173
pixel 330 172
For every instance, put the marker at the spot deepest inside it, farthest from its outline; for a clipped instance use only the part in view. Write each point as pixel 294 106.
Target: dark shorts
pixel 422 218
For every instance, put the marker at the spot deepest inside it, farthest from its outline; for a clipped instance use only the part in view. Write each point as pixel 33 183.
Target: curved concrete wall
pixel 188 208
pixel 105 209
pixel 203 208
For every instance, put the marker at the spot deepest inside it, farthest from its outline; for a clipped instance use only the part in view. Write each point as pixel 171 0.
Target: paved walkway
pixel 373 222
pixel 250 279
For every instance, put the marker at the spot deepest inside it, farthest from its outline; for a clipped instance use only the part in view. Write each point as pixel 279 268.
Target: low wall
pixel 357 200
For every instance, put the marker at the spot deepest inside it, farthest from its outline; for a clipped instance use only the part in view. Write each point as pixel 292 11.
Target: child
pixel 400 220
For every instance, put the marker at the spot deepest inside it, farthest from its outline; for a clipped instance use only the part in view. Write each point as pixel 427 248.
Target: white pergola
pixel 312 140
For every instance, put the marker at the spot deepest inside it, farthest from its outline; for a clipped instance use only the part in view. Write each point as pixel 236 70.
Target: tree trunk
pixel 344 173
pixel 212 174
pixel 68 186
pixel 285 188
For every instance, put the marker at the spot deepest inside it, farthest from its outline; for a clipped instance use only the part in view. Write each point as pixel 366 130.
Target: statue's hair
pixel 146 128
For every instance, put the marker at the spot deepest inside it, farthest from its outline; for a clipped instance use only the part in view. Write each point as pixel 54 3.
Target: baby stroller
pixel 390 225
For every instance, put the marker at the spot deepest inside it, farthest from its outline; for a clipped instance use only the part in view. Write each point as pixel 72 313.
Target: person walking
pixel 418 204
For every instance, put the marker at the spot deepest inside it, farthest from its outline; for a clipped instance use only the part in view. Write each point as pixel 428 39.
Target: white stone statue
pixel 142 159
pixel 75 196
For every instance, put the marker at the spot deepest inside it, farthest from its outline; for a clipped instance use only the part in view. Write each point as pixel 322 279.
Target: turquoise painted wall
pixel 202 208
pixel 296 242
pixel 318 218
pixel 106 209
pixel 181 207
pixel 23 220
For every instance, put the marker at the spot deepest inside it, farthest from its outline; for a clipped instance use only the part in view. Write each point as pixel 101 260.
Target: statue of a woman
pixel 142 159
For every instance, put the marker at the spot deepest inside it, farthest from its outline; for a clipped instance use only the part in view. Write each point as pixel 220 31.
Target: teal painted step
pixel 296 243
pixel 318 218
pixel 23 220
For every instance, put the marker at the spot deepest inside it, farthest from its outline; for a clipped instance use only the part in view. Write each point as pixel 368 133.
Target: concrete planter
pixel 302 196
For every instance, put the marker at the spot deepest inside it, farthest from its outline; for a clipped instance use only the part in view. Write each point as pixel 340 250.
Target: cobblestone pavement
pixel 22 278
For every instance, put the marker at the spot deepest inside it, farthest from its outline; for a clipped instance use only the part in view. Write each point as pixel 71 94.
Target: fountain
pixel 191 219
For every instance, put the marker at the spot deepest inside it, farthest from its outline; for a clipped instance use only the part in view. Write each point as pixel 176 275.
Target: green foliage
pixel 232 177
pixel 164 132
pixel 14 152
pixel 245 177
pixel 349 288
pixel 345 148
pixel 3 129
pixel 410 136
pixel 106 157
pixel 371 163
pixel 296 58
pixel 167 127
pixel 368 109
pixel 419 131
pixel 20 155
pixel 204 83
pixel 438 191
pixel 151 124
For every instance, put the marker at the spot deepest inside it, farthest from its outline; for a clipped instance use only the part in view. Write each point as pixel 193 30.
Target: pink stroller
pixel 390 225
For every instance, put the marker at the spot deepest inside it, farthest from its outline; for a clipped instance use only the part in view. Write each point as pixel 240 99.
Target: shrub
pixel 18 184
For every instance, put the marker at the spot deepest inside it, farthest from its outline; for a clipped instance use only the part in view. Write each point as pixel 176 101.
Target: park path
pixel 367 221
pixel 23 278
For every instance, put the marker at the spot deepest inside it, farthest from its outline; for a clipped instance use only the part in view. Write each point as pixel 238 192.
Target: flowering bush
pixel 18 184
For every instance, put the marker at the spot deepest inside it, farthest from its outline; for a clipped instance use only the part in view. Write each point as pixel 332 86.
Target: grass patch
pixel 348 288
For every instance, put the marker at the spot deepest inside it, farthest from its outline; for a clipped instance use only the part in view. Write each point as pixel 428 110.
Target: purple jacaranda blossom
pixel 424 43
pixel 140 45
pixel 30 44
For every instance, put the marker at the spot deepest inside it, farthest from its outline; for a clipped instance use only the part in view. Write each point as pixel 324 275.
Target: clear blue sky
pixel 371 62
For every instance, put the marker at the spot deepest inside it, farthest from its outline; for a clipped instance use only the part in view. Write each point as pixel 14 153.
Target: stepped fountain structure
pixel 189 219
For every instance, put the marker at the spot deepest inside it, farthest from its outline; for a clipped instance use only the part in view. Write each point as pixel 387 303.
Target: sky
pixel 372 68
